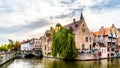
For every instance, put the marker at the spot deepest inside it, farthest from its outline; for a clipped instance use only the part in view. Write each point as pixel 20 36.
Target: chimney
pixel 74 21
pixel 113 25
pixel 102 27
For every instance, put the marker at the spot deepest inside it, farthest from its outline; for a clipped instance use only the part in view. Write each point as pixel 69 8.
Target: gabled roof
pixel 48 33
pixel 74 26
pixel 106 32
pixel 100 44
pixel 119 29
pixel 25 41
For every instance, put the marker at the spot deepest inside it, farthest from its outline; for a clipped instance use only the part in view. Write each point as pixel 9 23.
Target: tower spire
pixel 81 17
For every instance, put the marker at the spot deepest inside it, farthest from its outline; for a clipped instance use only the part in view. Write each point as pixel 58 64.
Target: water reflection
pixel 56 63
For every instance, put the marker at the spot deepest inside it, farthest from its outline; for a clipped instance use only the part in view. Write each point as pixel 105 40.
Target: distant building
pixel 83 36
pixel 108 36
pixel 35 44
pixel 46 43
pixel 31 44
pixel 25 45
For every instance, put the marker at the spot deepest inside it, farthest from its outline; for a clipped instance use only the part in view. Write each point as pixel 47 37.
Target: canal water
pixel 57 63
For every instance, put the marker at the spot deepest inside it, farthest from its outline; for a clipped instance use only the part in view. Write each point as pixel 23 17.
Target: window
pixel 90 46
pixel 108 49
pixel 83 46
pixel 90 39
pixel 86 39
pixel 102 50
pixel 83 30
pixel 112 49
pixel 45 47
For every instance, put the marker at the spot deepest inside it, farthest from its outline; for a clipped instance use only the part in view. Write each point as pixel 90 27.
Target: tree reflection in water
pixel 57 63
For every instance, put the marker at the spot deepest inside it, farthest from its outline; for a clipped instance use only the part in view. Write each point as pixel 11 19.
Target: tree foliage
pixel 12 46
pixel 63 43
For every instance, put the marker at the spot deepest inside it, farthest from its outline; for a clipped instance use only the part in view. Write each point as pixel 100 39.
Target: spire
pixel 81 17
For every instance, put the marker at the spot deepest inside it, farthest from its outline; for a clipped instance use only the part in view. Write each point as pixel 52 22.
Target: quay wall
pixel 6 57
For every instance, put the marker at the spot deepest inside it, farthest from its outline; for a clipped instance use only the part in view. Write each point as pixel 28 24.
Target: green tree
pixel 11 44
pixel 16 45
pixel 4 47
pixel 63 43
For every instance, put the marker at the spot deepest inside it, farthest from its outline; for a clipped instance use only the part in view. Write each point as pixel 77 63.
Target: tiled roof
pixel 73 26
pixel 48 33
pixel 106 32
pixel 119 29
pixel 26 41
pixel 100 44
pixel 96 33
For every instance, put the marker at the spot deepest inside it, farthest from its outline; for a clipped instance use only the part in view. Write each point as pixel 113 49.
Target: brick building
pixel 109 37
pixel 83 36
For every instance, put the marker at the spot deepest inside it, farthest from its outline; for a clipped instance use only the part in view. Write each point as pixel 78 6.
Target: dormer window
pixel 76 25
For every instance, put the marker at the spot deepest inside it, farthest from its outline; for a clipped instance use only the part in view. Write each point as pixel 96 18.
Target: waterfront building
pixel 31 44
pixel 108 36
pixel 46 43
pixel 118 39
pixel 35 44
pixel 25 45
pixel 83 36
pixel 101 49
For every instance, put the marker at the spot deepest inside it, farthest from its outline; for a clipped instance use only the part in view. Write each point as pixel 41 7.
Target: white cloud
pixel 23 12
pixel 88 3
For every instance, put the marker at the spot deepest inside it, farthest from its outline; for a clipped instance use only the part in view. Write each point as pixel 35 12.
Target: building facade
pixel 31 44
pixel 108 36
pixel 36 44
pixel 118 39
pixel 25 45
pixel 101 49
pixel 46 43
pixel 83 36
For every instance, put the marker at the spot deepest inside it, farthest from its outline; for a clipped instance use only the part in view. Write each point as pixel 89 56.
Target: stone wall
pixel 6 57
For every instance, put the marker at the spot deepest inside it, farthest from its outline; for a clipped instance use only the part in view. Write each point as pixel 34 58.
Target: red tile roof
pixel 106 32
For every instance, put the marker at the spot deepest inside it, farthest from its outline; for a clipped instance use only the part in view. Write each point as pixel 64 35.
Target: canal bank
pixel 84 57
pixel 5 57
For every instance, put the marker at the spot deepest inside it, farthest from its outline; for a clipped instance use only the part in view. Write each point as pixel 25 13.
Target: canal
pixel 56 63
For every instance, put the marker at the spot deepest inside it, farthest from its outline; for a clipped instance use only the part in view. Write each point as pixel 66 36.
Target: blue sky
pixel 25 19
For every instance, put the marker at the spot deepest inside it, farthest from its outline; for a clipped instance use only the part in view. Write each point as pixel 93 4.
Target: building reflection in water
pixel 56 63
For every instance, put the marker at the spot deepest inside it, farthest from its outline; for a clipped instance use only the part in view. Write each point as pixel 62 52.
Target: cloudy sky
pixel 24 19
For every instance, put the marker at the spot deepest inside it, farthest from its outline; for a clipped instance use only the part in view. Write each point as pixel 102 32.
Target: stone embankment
pixel 5 57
